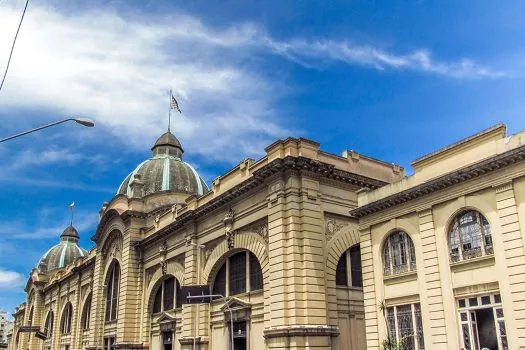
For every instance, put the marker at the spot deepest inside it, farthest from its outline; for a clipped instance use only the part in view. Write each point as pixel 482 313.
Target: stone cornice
pixel 302 331
pixel 461 175
pixel 258 177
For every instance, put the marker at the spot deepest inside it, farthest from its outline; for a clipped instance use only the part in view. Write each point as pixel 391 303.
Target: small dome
pixel 165 171
pixel 63 253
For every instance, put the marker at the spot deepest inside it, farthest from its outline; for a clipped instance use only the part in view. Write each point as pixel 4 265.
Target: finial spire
pixel 72 209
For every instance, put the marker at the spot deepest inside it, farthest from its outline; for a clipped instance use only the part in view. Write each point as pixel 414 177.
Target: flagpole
pixel 169 112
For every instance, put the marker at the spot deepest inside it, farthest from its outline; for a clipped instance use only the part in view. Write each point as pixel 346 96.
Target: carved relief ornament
pixel 228 228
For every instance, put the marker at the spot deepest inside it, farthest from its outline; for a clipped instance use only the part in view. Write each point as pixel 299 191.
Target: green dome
pixel 165 171
pixel 62 254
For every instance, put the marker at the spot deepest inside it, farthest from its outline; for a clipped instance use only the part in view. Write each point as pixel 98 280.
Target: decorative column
pixel 369 289
pixel 434 314
pixel 513 249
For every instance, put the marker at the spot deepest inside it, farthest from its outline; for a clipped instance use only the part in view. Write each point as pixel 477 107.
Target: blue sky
pixel 393 80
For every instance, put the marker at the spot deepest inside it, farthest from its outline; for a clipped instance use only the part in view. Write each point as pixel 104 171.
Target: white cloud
pixel 118 68
pixel 11 279
pixel 310 53
pixel 118 71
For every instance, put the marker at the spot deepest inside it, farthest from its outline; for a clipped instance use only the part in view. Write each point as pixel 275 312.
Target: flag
pixel 72 205
pixel 175 104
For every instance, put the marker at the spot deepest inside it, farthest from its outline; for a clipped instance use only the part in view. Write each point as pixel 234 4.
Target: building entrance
pixel 482 324
pixel 167 340
pixel 239 336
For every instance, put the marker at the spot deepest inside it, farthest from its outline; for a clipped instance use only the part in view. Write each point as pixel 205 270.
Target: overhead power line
pixel 13 46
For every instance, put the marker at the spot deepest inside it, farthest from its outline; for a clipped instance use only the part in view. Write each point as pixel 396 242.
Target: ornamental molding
pixel 476 170
pixel 333 225
pixel 259 177
pixel 503 187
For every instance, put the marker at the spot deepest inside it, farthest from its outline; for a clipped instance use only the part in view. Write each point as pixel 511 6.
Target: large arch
pixel 342 241
pixel 247 241
pixel 174 269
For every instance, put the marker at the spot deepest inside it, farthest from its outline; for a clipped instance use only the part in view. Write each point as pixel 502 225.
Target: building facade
pixel 6 326
pixel 303 250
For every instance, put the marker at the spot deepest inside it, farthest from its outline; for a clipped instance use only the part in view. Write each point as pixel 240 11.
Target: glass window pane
pixel 473 301
pixel 341 274
pixel 157 302
pixel 499 313
pixel 497 298
pixel 178 294
pixel 462 303
pixel 256 276
pixel 114 297
pixel 169 293
pixel 219 285
pixel 485 300
pixel 238 273
pixel 355 263
pixel 391 323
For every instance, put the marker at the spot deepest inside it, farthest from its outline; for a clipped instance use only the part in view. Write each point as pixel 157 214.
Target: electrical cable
pixel 13 46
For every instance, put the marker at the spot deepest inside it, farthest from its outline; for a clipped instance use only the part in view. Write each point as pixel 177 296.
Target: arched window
pixel 469 236
pixel 168 295
pixel 398 254
pixel 48 326
pixel 65 322
pixel 350 258
pixel 112 291
pixel 232 277
pixel 86 314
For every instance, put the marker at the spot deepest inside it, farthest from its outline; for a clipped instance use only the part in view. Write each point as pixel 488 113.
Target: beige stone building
pixel 303 250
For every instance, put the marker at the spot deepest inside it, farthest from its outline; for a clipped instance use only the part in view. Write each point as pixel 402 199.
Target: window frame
pixel 480 226
pixel 176 295
pixel 247 272
pixel 66 319
pixel 48 324
pixel 112 295
pixel 86 313
pixel 349 268
pixel 408 251
pixel 416 323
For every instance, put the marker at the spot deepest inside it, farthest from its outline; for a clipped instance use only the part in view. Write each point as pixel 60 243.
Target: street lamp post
pixel 82 121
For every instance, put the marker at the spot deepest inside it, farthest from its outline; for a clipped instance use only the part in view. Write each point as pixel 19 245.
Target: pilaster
pixel 296 256
pixel 433 312
pixel 513 248
pixel 189 311
pixel 129 298
pixel 369 289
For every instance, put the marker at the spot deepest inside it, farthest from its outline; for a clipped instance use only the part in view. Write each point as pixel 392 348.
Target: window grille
pixel 404 325
pixel 469 236
pixel 398 254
